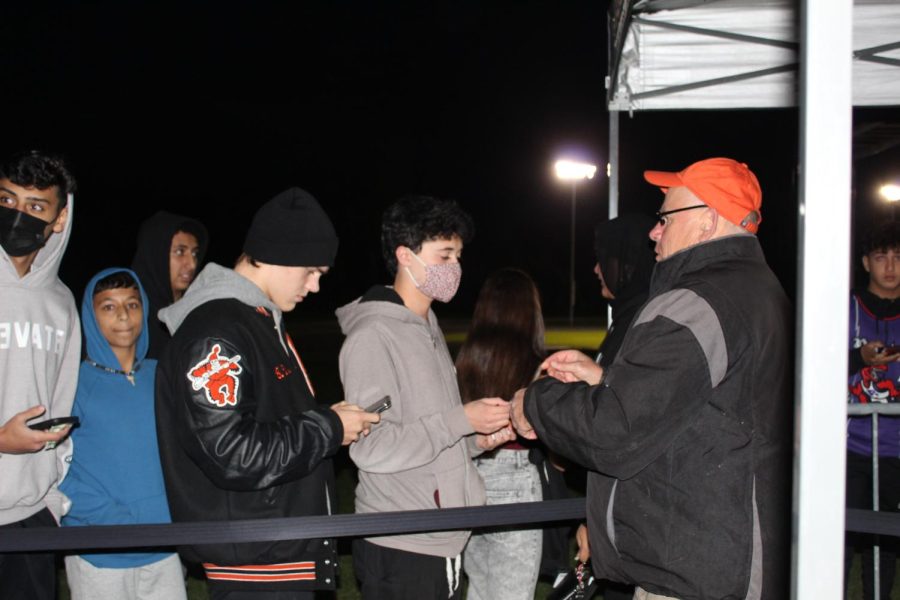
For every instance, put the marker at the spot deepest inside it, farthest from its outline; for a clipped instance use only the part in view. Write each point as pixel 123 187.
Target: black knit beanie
pixel 292 230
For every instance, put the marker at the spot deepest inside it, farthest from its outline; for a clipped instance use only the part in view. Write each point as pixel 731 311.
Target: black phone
pixel 54 425
pixel 380 406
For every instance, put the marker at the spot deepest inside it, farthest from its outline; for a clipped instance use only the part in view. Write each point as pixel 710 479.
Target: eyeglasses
pixel 661 216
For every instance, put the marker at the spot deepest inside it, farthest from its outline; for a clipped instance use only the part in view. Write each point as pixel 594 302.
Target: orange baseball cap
pixel 726 185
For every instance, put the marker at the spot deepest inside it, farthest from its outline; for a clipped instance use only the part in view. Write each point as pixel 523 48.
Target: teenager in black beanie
pixel 241 434
pixel 291 229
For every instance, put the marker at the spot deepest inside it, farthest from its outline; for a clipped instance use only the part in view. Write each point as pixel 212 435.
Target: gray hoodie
pixel 419 456
pixel 40 351
pixel 216 282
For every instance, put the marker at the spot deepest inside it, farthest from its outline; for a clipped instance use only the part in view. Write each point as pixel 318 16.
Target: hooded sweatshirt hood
pixel 97 347
pixel 151 263
pixel 380 302
pixel 624 253
pixel 216 282
pixel 45 268
pixel 154 243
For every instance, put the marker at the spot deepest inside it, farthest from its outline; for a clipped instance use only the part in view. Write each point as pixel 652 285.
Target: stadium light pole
pixel 568 170
pixel 891 194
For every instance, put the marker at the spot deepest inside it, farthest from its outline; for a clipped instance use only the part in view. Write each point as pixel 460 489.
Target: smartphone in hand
pixel 54 425
pixel 380 406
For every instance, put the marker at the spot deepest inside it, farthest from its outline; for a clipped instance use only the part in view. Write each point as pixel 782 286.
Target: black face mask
pixel 20 233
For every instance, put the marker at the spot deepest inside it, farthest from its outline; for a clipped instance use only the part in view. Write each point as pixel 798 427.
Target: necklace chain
pixel 128 374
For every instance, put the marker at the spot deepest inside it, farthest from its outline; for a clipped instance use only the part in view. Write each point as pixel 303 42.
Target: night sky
pixel 209 110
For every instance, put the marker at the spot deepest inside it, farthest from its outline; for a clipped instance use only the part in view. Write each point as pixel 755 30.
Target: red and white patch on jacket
pixel 217 376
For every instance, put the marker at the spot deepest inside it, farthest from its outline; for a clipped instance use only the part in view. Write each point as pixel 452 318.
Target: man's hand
pixel 355 420
pixel 487 415
pixel 570 366
pixel 584 547
pixel 517 416
pixel 498 438
pixel 874 354
pixel 17 438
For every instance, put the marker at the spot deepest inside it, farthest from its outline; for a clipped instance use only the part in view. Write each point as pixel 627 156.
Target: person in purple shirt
pixel 874 365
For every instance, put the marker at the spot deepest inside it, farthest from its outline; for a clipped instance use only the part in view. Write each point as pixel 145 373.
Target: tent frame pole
pixel 826 31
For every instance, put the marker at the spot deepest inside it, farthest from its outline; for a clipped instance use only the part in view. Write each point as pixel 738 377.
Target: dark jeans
pixel 859 495
pixel 389 574
pixel 32 575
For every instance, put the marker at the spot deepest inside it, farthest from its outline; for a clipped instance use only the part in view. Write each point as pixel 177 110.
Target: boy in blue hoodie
pixel 115 475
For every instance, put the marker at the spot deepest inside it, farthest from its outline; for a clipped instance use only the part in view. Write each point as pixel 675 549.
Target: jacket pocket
pixel 450 485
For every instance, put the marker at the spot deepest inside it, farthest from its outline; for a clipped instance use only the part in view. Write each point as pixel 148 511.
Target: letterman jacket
pixel 241 435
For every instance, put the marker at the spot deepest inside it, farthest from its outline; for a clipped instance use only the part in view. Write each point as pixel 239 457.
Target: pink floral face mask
pixel 441 281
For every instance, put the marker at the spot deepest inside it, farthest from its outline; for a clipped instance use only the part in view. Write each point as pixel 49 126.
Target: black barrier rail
pixel 120 537
pixel 870 521
pixel 100 537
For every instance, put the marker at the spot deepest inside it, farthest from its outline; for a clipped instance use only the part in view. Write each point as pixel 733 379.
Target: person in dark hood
pixel 624 264
pixel 170 250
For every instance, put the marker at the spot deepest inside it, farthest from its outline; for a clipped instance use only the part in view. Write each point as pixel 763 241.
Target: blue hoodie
pixel 115 477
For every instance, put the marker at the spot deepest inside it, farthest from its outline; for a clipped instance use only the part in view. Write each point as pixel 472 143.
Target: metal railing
pixel 874 409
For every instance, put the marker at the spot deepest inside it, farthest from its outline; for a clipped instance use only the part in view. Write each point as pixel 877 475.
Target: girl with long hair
pixel 501 354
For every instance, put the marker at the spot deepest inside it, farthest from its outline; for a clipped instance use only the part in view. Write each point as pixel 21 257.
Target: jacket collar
pixel 699 256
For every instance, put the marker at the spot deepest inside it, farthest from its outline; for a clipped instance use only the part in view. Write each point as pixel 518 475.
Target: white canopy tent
pixel 741 54
pixel 824 56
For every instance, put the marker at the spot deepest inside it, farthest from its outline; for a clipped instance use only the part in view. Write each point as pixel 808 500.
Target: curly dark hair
pixel 505 342
pixel 115 281
pixel 414 220
pixel 885 236
pixel 36 169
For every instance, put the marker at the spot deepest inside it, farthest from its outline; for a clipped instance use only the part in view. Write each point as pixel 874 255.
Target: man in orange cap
pixel 726 189
pixel 687 433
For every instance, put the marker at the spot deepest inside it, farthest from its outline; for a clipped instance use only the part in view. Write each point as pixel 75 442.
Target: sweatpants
pixel 161 580
pixel 389 574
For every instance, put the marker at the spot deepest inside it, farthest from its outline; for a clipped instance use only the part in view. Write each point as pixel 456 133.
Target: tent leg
pixel 826 30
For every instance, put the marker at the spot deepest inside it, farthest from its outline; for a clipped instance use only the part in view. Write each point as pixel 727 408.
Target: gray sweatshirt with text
pixel 40 351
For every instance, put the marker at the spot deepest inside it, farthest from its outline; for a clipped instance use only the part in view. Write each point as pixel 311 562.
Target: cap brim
pixel 663 179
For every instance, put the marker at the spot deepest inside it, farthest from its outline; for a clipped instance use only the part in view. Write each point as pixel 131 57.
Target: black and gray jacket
pixel 689 432
pixel 241 435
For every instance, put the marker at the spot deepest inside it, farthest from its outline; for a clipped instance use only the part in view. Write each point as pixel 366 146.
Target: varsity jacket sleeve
pixel 660 381
pixel 218 428
pixel 394 444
